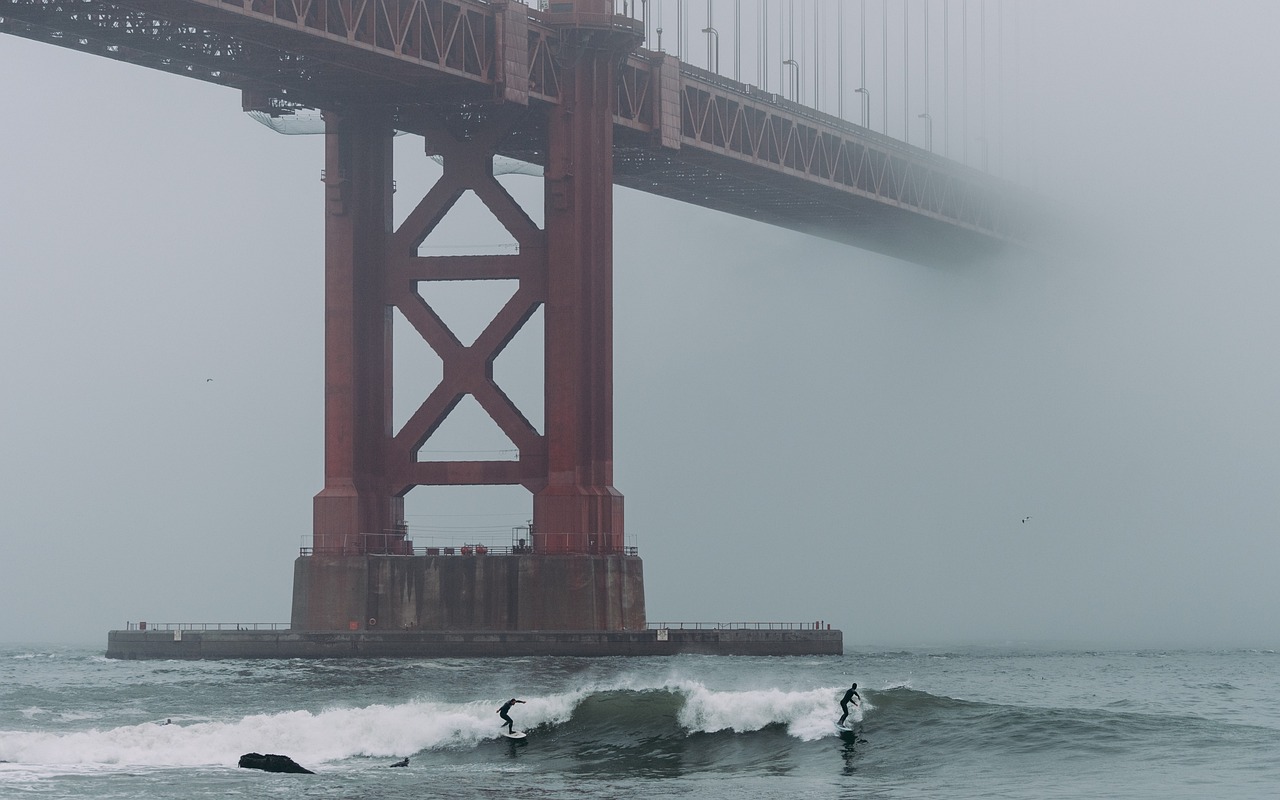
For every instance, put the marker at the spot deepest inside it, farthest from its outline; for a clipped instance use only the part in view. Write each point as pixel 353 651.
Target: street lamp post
pixel 795 78
pixel 713 36
pixel 925 116
pixel 866 105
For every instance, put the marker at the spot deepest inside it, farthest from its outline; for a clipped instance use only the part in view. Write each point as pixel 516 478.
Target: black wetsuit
pixel 844 704
pixel 502 712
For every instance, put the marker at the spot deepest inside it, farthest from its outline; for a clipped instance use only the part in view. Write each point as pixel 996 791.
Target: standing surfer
pixel 502 712
pixel 848 698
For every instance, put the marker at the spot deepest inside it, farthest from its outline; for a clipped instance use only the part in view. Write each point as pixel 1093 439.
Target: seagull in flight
pixel 1024 519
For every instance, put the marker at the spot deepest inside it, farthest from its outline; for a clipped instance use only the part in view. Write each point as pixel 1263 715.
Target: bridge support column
pixel 579 510
pixel 356 510
pixel 578 575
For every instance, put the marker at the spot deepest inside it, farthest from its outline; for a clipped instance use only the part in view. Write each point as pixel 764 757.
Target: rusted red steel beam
pixel 504 44
pixel 454 36
pixel 467 369
pixel 317 53
pixel 357 407
pixel 412 44
pixel 579 510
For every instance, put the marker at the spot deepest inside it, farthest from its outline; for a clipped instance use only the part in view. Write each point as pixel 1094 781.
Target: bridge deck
pixel 681 132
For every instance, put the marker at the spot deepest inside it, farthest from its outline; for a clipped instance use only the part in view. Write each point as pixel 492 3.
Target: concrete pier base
pixel 467 605
pixel 473 592
pixel 189 644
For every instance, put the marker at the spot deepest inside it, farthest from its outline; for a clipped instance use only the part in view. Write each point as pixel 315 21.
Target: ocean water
pixel 958 723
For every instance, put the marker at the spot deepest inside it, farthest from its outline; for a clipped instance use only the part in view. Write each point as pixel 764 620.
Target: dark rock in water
pixel 401 763
pixel 272 763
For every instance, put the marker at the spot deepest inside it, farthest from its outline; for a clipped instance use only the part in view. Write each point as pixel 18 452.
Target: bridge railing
pixel 207 626
pixel 755 626
pixel 284 626
pixel 397 544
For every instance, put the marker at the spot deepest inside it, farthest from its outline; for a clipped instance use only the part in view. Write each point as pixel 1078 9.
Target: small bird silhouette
pixel 208 380
pixel 1024 519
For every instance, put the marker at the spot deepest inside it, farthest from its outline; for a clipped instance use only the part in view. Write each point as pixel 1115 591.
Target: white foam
pixel 807 715
pixel 309 738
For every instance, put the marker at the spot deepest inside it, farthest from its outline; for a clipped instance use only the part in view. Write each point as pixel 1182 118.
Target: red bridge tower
pixel 577 574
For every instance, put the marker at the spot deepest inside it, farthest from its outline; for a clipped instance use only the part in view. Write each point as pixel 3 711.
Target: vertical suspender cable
pixel 862 75
pixel 946 78
pixel 737 40
pixel 710 26
pixel 982 77
pixel 884 57
pixel 840 60
pixel 964 81
pixel 762 38
pixel 791 46
pixel 1017 96
pixel 804 53
pixel 817 57
pixel 680 49
pixel 1000 120
pixel 927 67
pixel 783 54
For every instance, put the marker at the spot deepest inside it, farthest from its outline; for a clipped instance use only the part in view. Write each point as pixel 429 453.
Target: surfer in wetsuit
pixel 502 712
pixel 848 698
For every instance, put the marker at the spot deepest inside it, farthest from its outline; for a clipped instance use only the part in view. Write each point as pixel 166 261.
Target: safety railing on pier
pixel 401 544
pixel 207 626
pixel 464 550
pixel 816 625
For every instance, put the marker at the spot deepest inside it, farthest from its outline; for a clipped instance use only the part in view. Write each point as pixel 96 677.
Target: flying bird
pixel 1024 519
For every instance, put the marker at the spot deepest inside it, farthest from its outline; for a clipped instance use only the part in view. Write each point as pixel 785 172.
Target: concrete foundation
pixel 468 606
pixel 521 592
pixel 134 644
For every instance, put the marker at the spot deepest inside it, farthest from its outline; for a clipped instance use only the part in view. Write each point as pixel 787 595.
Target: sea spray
pixel 806 715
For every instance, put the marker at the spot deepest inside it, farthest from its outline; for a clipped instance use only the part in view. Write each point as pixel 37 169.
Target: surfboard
pixel 514 734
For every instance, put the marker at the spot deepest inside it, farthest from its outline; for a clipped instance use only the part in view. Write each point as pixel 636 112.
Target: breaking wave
pixel 599 715
pixel 675 726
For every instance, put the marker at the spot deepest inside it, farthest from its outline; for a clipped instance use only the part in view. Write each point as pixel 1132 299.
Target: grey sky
pixel 804 430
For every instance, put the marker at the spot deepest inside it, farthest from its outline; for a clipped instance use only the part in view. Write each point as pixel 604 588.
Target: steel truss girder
pixel 467 369
pixel 690 134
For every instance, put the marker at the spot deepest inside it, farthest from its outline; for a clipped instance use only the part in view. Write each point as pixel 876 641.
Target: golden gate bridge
pixel 587 91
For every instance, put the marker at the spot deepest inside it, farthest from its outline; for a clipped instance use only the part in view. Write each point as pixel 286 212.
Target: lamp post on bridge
pixel 867 105
pixel 713 37
pixel 795 78
pixel 925 116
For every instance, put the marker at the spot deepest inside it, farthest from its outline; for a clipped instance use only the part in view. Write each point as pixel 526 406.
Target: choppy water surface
pixel 965 724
